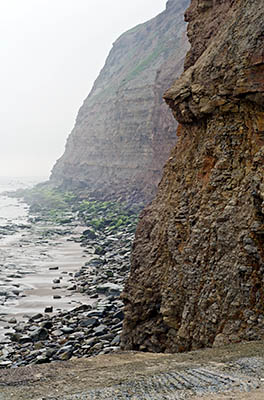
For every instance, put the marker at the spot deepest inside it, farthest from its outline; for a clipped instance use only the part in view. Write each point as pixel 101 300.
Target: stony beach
pixel 61 279
pixel 32 263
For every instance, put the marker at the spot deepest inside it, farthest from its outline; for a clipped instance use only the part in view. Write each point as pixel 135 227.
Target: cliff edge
pixel 124 131
pixel 198 256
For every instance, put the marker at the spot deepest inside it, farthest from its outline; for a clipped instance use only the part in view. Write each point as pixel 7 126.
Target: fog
pixel 51 53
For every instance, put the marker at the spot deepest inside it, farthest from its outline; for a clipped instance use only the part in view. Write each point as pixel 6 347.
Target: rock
pixel 14 276
pixel 77 336
pixel 57 332
pixel 41 359
pixel 119 325
pixel 15 337
pixel 109 289
pixel 91 342
pixel 221 340
pixel 90 322
pixel 99 251
pixel 39 334
pixel 35 317
pixel 100 330
pixel 95 262
pixel 47 324
pixel 82 308
pixel 66 355
pixel 72 287
pixel 48 309
pixel 23 339
pixel 95 313
pixel 116 341
pixel 12 321
pixel 67 329
pixel 89 234
pixel 64 349
pixel 97 347
pixel 38 346
pixel 134 120
pixel 193 277
pixel 119 315
pixel 4 364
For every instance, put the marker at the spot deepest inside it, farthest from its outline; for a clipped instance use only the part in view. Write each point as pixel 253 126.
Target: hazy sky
pixel 51 53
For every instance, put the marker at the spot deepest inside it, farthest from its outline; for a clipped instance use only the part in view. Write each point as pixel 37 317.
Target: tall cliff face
pixel 124 130
pixel 197 275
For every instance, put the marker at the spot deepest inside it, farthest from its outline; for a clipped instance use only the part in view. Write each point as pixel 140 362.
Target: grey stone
pixel 24 339
pixel 109 289
pixel 116 341
pixel 36 317
pixel 90 322
pixel 67 329
pixel 100 330
pixel 39 334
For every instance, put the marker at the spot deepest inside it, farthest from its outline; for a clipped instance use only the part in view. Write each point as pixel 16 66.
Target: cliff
pixel 124 130
pixel 198 256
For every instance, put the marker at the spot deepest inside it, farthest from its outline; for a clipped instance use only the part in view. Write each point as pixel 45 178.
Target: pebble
pixel 86 330
pixel 80 336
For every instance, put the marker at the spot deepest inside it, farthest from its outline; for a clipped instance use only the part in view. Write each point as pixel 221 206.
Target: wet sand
pixel 31 262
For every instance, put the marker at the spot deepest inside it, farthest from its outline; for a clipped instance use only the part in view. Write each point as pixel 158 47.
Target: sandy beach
pixel 37 264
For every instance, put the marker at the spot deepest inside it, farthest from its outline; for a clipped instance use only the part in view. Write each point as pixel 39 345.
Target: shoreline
pixel 83 261
pixel 31 265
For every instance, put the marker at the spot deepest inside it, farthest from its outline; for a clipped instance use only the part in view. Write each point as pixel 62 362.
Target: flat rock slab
pixel 227 373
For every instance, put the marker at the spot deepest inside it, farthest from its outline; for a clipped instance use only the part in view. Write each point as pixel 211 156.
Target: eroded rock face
pixel 198 258
pixel 124 130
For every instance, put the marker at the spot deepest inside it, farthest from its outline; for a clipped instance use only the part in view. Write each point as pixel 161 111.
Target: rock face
pixel 124 130
pixel 197 274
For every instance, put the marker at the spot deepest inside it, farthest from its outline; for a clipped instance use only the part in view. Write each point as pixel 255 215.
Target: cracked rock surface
pixel 197 264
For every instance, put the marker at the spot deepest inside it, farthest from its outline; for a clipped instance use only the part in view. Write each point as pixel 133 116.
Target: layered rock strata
pixel 124 130
pixel 197 274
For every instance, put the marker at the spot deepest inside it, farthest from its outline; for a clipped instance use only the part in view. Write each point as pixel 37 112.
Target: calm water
pixel 13 210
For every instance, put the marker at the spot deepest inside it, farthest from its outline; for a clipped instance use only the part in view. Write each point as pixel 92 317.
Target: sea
pixel 13 210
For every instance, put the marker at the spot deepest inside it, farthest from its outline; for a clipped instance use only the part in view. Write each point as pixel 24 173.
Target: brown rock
pixel 199 246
